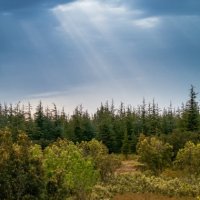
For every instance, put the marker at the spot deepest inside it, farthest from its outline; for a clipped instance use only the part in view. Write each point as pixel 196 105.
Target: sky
pixel 73 52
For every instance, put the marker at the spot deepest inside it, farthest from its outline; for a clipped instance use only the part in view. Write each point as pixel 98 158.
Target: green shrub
pixel 179 138
pixel 139 183
pixel 92 148
pixel 155 154
pixel 21 173
pixel 67 172
pixel 188 159
pixel 105 163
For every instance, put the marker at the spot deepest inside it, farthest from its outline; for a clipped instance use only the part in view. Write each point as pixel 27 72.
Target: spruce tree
pixel 192 112
pixel 125 145
pixel 143 117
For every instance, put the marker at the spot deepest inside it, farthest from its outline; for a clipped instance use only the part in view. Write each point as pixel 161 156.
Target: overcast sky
pixel 89 51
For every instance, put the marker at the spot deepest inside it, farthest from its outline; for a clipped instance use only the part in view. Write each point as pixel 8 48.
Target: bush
pixel 105 163
pixel 188 159
pixel 179 138
pixel 21 173
pixel 139 183
pixel 67 172
pixel 155 154
pixel 93 148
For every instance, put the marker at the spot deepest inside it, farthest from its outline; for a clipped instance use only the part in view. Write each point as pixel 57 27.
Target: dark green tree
pixel 192 111
pixel 126 145
pixel 105 127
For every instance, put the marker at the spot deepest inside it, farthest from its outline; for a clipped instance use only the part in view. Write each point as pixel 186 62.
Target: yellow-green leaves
pixel 188 159
pixel 155 154
pixel 67 171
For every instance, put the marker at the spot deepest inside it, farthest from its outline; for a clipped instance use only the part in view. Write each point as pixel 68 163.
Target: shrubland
pixel 140 183
pixel 62 170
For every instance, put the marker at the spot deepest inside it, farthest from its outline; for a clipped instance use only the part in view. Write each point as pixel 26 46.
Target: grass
pixel 130 165
pixel 148 197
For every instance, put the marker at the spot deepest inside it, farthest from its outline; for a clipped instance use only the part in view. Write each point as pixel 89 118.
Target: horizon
pixel 70 111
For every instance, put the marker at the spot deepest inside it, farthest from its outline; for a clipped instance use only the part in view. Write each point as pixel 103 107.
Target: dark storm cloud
pixel 29 53
pixel 166 7
pixel 13 5
pixel 44 50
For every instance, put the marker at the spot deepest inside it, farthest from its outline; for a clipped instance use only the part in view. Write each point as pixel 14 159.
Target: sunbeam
pixel 102 48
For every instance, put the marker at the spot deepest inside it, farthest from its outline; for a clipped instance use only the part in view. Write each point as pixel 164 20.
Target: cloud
pixel 148 22
pixel 31 49
pixel 165 7
pixel 14 5
pixel 89 96
pixel 123 49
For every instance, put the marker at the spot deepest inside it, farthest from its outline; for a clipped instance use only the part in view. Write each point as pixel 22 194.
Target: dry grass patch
pixel 128 166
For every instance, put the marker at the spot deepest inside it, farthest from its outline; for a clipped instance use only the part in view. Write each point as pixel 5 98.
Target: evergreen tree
pixel 30 126
pixel 168 121
pixel 154 119
pixel 105 129
pixel 143 118
pixel 125 145
pixel 192 111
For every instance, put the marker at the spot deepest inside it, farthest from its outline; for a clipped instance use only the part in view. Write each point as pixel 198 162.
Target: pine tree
pixel 125 145
pixel 167 120
pixel 143 117
pixel 105 128
pixel 192 111
pixel 39 122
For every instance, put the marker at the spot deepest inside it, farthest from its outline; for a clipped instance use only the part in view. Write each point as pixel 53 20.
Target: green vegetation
pixel 140 183
pixel 188 159
pixel 67 172
pixel 21 171
pixel 155 154
pixel 49 155
pixel 118 129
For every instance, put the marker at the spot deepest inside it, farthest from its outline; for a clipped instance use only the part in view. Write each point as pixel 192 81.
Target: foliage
pixel 19 165
pixel 179 138
pixel 61 169
pixel 93 148
pixel 139 183
pixel 108 124
pixel 192 112
pixel 126 145
pixel 67 172
pixel 155 154
pixel 188 159
pixel 106 164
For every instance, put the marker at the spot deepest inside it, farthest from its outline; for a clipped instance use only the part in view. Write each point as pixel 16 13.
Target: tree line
pixel 118 128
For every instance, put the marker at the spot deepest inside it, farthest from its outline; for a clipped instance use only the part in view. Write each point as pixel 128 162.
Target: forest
pixel 47 154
